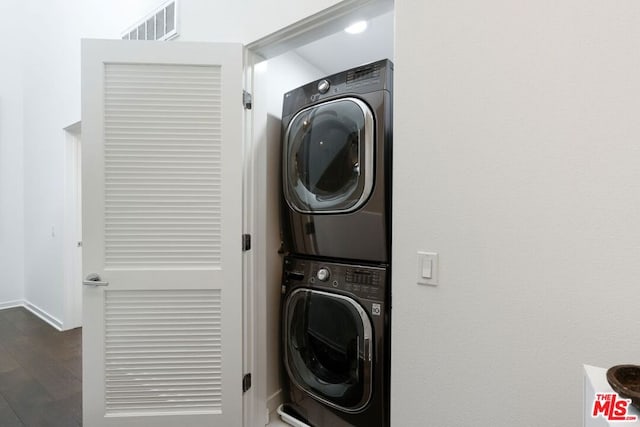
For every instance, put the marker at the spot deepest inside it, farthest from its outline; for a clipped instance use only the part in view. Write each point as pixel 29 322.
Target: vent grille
pixel 365 73
pixel 163 352
pixel 159 25
pixel 162 166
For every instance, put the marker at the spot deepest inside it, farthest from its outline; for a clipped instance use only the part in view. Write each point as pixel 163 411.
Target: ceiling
pixel 341 51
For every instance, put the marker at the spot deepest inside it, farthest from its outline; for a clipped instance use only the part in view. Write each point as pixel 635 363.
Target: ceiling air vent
pixel 159 25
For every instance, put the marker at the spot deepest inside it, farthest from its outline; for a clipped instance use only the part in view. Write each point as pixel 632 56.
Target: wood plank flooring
pixel 40 372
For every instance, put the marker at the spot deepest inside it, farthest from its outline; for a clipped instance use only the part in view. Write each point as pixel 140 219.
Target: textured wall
pixel 516 159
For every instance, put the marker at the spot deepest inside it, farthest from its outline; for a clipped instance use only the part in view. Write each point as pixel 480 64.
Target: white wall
pixel 516 159
pixel 11 158
pixel 242 21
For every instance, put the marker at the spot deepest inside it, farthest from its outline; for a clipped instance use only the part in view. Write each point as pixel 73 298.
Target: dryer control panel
pixel 363 281
pixel 373 77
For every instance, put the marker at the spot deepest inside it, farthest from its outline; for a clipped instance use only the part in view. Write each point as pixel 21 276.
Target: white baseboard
pixel 52 320
pixel 11 304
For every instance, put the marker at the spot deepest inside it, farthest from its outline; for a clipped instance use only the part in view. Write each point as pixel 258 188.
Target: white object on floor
pixel 289 419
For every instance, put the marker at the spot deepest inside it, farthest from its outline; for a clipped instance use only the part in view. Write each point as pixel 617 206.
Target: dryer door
pixel 328 348
pixel 328 157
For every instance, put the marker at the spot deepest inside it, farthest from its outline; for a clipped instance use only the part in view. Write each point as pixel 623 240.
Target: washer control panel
pixel 360 280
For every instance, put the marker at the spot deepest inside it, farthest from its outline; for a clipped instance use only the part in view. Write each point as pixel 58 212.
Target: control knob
pixel 323 274
pixel 323 86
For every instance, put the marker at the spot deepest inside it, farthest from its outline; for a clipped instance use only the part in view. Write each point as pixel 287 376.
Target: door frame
pixel 72 315
pixel 257 406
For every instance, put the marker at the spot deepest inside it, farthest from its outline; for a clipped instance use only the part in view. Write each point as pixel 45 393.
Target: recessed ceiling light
pixel 356 27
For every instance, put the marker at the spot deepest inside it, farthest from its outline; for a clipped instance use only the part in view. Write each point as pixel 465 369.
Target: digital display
pixel 362 277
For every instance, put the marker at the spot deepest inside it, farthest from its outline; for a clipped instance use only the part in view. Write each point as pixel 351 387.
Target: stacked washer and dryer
pixel 336 305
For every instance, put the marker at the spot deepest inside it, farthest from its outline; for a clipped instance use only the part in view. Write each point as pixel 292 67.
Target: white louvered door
pixel 162 221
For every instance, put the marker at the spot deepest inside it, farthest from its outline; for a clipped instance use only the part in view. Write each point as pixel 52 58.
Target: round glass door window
pixel 328 351
pixel 328 157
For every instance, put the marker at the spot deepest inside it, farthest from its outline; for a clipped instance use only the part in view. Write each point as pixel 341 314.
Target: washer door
pixel 328 157
pixel 328 353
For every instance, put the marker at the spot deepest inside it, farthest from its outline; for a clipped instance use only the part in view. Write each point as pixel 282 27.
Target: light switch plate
pixel 428 269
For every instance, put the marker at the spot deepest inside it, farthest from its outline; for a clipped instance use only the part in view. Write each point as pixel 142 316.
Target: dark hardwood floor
pixel 40 372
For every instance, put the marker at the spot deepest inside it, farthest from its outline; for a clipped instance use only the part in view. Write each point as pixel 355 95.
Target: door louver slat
pixel 162 172
pixel 178 371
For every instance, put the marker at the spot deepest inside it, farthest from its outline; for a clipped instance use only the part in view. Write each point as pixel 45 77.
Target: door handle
pixel 367 350
pixel 93 279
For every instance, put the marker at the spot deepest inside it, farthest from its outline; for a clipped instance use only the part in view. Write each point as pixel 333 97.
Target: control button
pixel 323 274
pixel 335 283
pixel 323 86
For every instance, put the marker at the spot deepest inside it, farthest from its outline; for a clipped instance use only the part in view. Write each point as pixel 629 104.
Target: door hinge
pixel 247 100
pixel 246 383
pixel 246 242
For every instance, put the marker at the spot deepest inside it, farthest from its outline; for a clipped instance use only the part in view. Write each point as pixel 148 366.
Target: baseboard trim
pixel 11 304
pixel 52 320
